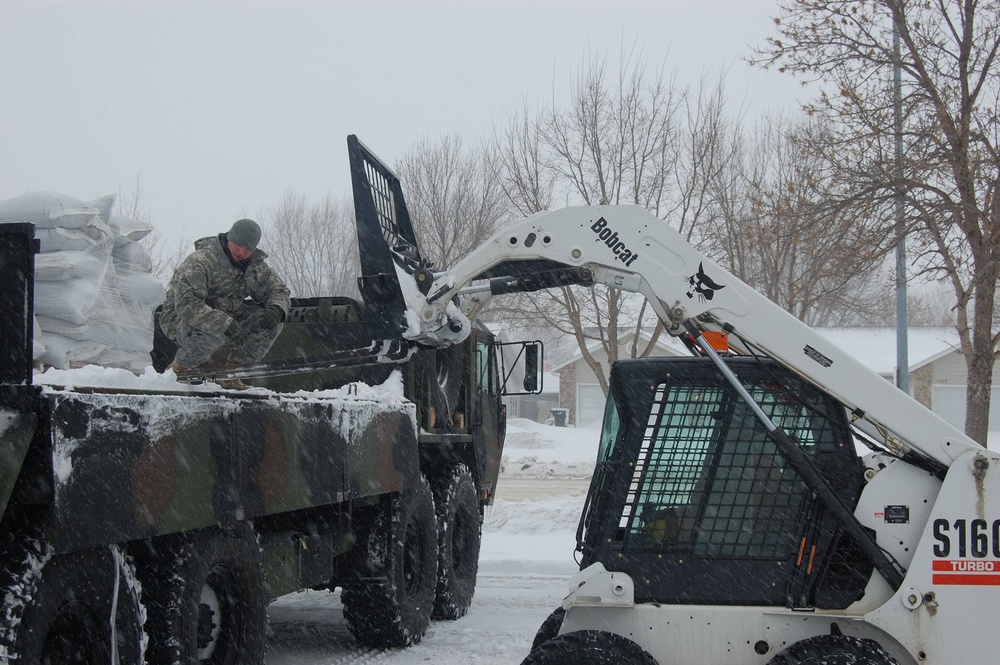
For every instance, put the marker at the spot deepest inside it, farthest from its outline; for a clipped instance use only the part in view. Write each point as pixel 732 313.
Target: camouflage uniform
pixel 208 291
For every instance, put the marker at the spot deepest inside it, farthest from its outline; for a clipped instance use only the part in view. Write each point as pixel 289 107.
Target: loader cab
pixel 694 501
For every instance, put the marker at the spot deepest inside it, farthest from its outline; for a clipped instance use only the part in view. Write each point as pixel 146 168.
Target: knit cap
pixel 245 232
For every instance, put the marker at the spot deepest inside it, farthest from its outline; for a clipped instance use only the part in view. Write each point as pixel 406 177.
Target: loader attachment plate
pixel 390 257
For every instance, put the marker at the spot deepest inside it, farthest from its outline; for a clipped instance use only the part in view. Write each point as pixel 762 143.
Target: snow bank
pixel 541 528
pixel 533 450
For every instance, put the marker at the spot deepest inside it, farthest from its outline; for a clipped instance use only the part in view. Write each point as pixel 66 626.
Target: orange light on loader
pixel 717 340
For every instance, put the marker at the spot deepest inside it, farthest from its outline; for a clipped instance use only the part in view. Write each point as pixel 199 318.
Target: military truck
pixel 155 525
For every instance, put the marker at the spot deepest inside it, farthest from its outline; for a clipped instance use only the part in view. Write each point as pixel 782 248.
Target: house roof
pixel 670 345
pixel 875 347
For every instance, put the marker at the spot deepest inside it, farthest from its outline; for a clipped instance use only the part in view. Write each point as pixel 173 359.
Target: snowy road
pixel 524 489
pixel 510 603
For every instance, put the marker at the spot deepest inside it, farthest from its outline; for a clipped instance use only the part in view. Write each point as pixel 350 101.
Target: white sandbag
pixel 124 328
pixel 50 210
pixel 139 287
pixel 58 239
pixel 114 333
pixel 94 291
pixel 78 331
pixel 92 263
pixel 130 255
pixel 63 353
pixel 69 299
pixel 104 205
pixel 133 229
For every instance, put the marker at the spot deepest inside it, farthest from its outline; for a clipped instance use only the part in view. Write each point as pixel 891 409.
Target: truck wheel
pixel 459 537
pixel 56 607
pixel 207 599
pixel 549 628
pixel 834 650
pixel 400 551
pixel 589 647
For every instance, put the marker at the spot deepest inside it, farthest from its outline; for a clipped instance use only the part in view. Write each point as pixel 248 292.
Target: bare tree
pixel 633 138
pixel 949 101
pixel 164 253
pixel 312 247
pixel 454 202
pixel 775 228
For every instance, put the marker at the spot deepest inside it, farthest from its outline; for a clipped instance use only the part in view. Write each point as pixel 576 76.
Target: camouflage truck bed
pixel 130 464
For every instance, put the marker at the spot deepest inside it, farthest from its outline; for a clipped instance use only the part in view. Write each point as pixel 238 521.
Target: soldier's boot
pixel 233 384
pixel 220 358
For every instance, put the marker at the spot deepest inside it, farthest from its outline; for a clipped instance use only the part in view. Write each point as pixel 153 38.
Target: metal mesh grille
pixel 708 479
pixel 385 208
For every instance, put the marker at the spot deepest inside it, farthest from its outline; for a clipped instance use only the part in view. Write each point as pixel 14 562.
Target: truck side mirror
pixel 520 364
pixel 531 369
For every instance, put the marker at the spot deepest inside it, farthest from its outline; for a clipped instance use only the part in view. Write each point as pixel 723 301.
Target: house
pixel 535 407
pixel 937 370
pixel 579 389
pixel 532 406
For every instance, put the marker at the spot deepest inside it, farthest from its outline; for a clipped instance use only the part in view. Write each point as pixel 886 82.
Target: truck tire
pixel 56 607
pixel 834 650
pixel 589 647
pixel 207 599
pixel 459 538
pixel 549 628
pixel 398 556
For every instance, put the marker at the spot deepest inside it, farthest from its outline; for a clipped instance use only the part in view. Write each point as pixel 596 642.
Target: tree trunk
pixel 979 380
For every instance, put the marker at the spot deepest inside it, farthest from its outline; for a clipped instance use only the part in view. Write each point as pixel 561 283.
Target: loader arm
pixel 627 248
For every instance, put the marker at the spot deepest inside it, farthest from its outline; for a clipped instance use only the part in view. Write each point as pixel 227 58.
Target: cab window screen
pixel 709 481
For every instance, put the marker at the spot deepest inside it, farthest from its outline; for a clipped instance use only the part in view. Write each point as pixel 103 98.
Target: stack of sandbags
pixel 94 288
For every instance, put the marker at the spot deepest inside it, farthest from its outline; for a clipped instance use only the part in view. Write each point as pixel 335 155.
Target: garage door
pixel 949 403
pixel 589 405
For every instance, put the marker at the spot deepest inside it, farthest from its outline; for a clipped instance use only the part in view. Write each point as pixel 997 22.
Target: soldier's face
pixel 239 252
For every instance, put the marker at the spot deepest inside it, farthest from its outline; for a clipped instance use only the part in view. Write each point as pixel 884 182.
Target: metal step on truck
pixel 155 525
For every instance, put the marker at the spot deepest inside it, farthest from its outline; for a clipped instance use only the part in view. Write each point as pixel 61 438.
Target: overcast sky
pixel 218 106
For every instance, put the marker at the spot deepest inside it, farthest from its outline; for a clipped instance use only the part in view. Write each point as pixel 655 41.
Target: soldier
pixel 224 306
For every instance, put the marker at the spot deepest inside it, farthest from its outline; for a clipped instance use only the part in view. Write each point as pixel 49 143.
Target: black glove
pixel 236 334
pixel 272 316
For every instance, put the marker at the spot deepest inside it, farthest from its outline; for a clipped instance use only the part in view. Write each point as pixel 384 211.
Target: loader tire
pixel 389 602
pixel 207 599
pixel 834 650
pixel 459 539
pixel 549 628
pixel 56 608
pixel 589 647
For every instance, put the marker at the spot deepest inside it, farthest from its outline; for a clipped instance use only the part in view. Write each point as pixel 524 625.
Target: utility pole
pixel 902 352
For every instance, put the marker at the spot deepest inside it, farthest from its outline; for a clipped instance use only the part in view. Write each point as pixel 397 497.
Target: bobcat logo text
pixel 611 239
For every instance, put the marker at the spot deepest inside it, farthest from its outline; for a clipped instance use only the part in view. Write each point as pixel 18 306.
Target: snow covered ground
pixel 525 565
